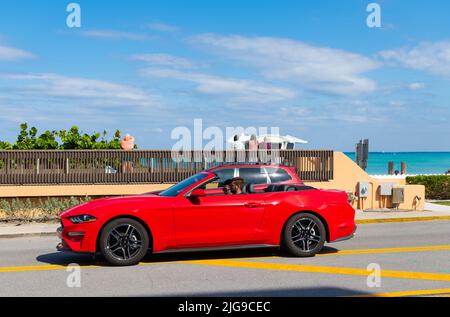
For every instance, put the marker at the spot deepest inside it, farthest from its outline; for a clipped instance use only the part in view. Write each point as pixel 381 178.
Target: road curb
pixel 27 235
pixel 404 219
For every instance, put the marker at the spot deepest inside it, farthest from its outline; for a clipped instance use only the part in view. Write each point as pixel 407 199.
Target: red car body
pixel 182 222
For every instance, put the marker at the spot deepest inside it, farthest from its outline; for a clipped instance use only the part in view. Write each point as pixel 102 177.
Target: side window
pixel 278 175
pixel 224 175
pixel 253 175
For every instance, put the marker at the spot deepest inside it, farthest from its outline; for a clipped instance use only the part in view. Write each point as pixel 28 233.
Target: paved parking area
pixel 413 258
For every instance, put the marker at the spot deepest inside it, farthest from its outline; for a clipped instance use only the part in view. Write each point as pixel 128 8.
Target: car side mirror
pixel 198 193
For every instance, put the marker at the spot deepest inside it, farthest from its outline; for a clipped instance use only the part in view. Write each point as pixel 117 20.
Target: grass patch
pixel 445 203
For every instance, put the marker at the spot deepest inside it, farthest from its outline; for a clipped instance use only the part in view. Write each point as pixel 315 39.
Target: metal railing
pixel 145 166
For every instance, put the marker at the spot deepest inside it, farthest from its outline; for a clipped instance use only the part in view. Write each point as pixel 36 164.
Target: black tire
pixel 124 242
pixel 303 235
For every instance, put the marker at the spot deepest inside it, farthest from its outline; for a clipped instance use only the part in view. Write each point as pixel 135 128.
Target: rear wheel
pixel 304 235
pixel 124 242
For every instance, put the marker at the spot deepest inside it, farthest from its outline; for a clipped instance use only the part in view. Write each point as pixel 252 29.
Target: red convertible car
pixel 196 214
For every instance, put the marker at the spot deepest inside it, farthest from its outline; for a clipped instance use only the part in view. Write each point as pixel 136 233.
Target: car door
pixel 218 220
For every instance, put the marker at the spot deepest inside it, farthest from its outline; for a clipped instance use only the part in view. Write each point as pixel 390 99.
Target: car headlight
pixel 82 219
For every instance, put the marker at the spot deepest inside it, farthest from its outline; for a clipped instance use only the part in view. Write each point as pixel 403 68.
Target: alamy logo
pixel 374 278
pixel 74 18
pixel 374 18
pixel 74 278
pixel 188 139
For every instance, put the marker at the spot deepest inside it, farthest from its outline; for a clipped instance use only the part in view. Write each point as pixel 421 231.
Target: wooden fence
pixel 146 166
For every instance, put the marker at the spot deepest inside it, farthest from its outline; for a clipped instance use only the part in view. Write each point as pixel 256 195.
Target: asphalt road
pixel 413 257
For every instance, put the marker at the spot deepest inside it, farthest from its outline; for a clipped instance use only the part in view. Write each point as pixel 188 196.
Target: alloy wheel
pixel 124 242
pixel 305 234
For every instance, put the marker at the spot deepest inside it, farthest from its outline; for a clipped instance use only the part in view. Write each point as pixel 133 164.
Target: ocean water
pixel 417 162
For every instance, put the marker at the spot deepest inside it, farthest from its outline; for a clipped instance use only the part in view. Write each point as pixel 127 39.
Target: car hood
pixel 125 203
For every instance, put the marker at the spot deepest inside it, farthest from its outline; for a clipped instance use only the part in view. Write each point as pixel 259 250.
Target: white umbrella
pixel 293 139
pixel 280 139
pixel 271 138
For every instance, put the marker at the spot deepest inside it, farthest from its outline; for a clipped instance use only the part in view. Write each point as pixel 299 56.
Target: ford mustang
pixel 195 214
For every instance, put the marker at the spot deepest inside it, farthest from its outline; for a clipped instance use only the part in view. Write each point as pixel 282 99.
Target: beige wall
pixel 346 177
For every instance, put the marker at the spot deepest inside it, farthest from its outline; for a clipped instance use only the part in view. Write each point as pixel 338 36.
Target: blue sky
pixel 312 68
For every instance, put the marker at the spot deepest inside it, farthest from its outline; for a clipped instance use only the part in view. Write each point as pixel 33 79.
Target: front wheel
pixel 303 235
pixel 124 242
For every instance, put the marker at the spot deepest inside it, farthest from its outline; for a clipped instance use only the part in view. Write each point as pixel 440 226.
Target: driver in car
pixel 237 185
pixel 227 187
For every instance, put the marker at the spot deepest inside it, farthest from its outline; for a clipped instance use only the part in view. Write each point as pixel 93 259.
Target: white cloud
pixel 295 111
pixel 115 35
pixel 322 69
pixel 162 27
pixel 165 60
pixel 54 85
pixel 13 54
pixel 432 57
pixel 397 103
pixel 236 89
pixel 157 130
pixel 416 86
pixel 353 112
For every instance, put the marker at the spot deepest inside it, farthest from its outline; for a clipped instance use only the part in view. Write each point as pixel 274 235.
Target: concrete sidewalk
pixel 433 212
pixel 27 230
pixel 400 216
pixel 436 207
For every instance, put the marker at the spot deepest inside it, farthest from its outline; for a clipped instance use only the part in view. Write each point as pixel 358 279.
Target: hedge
pixel 42 210
pixel 436 186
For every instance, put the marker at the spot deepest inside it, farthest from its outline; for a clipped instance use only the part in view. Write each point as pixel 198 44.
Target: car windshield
pixel 178 188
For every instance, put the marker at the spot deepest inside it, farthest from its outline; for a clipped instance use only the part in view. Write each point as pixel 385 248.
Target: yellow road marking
pixel 445 292
pixel 323 269
pixel 59 267
pixel 289 267
pixel 32 268
pixel 441 295
pixel 405 219
pixel 388 250
pixel 368 251
pixel 55 267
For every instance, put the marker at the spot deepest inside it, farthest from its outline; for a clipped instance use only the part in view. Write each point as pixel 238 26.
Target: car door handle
pixel 252 205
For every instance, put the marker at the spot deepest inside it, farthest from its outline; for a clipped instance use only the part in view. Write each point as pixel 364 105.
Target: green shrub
pixel 50 207
pixel 73 139
pixel 17 204
pixel 27 204
pixel 6 206
pixel 436 186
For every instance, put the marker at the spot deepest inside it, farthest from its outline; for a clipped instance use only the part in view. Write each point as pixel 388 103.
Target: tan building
pixel 348 175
